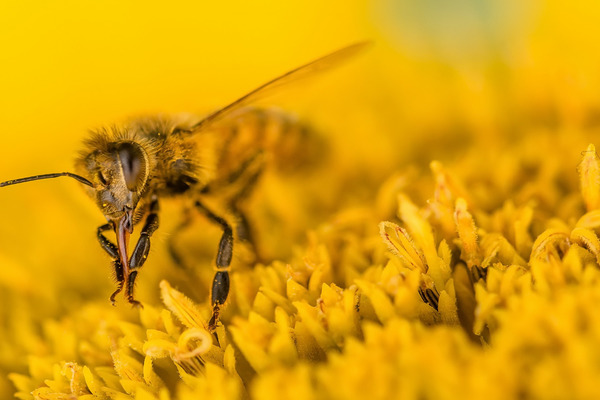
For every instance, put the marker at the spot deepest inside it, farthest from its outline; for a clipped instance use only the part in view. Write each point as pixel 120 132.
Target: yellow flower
pixel 443 242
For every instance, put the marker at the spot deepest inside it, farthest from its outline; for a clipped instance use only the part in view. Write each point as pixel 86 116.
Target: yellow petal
pixel 588 239
pixel 151 377
pixel 180 305
pixel 465 225
pixel 589 178
pixel 400 244
pixel 549 238
pixel 590 220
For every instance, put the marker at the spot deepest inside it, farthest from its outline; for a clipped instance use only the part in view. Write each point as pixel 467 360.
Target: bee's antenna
pixel 47 176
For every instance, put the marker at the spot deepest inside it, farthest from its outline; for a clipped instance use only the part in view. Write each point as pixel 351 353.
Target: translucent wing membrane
pixel 317 66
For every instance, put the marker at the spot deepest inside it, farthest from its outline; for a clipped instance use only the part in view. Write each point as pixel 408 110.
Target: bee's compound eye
pixel 133 164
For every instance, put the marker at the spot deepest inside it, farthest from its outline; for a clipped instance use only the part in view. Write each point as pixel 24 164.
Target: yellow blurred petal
pixel 131 387
pixel 282 346
pixel 400 244
pixel 573 264
pixel 589 220
pixel 447 305
pixel 279 300
pixel 133 336
pixel 263 305
pixel 94 383
pixel 76 378
pixel 110 377
pixel 252 337
pixel 588 239
pixel 497 249
pixel 127 367
pixel 117 395
pixel 144 394
pixel 193 342
pixel 522 225
pixel 487 303
pixel 23 383
pixel 465 298
pixel 169 323
pixel 420 230
pixel 180 305
pixel 315 324
pixel 448 187
pixel 445 254
pixel 383 306
pixel 151 377
pixel 308 348
pixel 292 384
pixel 465 226
pixel 295 291
pixel 589 178
pixel 549 238
pixel 216 385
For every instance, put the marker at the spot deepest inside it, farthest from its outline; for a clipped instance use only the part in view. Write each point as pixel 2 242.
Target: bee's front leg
pixel 113 252
pixel 142 248
pixel 220 286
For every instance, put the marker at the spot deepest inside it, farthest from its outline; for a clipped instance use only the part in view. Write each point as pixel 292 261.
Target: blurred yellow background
pixel 442 79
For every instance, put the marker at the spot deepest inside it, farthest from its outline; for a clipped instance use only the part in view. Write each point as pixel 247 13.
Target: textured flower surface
pixel 446 246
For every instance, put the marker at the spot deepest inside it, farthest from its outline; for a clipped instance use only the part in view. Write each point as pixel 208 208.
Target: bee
pixel 127 169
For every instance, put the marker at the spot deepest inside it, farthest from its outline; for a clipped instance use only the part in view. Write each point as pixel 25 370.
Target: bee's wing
pixel 318 65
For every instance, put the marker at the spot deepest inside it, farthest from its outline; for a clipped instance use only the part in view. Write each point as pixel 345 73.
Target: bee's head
pixel 119 174
pixel 116 173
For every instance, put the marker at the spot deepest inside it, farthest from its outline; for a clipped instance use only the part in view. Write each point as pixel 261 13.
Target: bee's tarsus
pixel 135 304
pixel 115 293
pixel 214 319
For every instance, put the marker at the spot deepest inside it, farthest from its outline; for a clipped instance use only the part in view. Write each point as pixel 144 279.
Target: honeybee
pixel 127 169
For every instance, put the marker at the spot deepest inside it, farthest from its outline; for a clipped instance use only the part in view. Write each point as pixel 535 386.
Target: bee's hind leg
pixel 220 285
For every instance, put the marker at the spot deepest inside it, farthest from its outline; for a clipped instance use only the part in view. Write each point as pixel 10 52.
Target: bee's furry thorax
pixel 174 164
